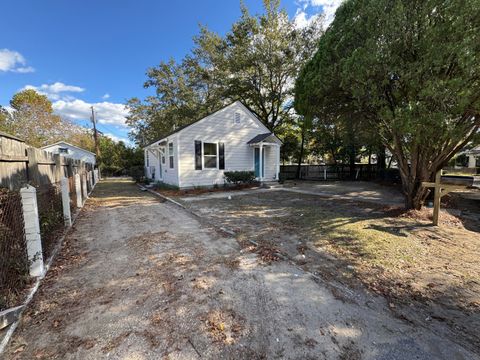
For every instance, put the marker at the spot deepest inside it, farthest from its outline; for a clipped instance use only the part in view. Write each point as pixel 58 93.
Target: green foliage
pixel 256 62
pixel 34 121
pixel 239 177
pixel 164 186
pixel 408 70
pixel 117 159
pixel 137 173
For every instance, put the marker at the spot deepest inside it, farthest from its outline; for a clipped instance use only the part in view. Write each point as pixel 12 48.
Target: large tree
pixel 408 69
pixel 257 62
pixel 33 120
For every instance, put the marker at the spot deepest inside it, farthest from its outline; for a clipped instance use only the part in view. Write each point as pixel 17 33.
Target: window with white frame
pixel 210 155
pixel 170 154
pixel 63 150
pixel 148 160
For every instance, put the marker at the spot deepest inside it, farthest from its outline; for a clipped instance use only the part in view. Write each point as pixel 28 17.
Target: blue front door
pixel 257 162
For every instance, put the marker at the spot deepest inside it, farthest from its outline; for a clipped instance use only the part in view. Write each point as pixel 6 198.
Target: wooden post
pixel 32 170
pixel 440 190
pixel 437 198
pixel 58 168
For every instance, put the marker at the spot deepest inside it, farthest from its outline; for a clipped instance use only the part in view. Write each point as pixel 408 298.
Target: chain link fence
pixel 50 212
pixel 14 274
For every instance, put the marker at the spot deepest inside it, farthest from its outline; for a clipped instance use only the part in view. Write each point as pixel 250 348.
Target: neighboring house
pixel 473 157
pixel 71 151
pixel 230 139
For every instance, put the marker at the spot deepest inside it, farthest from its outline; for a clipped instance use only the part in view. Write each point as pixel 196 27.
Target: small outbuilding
pixel 473 157
pixel 230 139
pixel 71 151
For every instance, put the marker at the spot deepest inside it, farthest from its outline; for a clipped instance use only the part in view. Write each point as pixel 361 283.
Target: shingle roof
pixel 187 125
pixel 259 138
pixel 194 122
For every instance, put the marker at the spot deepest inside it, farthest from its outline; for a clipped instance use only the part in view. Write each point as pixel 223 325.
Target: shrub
pixel 137 172
pixel 163 186
pixel 239 177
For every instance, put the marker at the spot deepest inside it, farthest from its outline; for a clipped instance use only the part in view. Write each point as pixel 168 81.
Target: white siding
pixel 170 175
pixel 73 152
pixel 220 127
pixel 270 162
pixel 152 165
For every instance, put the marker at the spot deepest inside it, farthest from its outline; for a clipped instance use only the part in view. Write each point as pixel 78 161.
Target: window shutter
pixel 198 155
pixel 221 156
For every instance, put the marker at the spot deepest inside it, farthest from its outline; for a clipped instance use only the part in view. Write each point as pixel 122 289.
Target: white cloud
pixel 107 113
pixel 70 107
pixel 117 138
pixel 13 61
pixel 56 90
pixel 302 19
pixel 328 8
pixel 106 96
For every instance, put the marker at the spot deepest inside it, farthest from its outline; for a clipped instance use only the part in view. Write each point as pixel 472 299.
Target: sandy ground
pixel 142 279
pixel 429 275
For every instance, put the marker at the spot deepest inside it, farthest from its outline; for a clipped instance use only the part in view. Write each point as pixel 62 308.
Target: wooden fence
pixel 364 172
pixel 21 164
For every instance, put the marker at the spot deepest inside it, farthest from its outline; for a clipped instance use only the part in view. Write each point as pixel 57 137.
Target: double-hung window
pixel 170 154
pixel 209 155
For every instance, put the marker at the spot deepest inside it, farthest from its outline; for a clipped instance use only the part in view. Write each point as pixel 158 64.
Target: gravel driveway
pixel 138 278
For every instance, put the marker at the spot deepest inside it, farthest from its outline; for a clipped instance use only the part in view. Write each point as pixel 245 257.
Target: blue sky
pixel 83 53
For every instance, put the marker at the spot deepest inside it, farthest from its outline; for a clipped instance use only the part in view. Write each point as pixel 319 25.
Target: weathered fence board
pixel 13 158
pixel 21 164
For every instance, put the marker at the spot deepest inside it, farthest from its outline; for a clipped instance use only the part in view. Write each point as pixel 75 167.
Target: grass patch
pixel 370 241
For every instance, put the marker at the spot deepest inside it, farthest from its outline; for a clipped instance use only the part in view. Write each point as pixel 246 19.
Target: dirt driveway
pixel 142 279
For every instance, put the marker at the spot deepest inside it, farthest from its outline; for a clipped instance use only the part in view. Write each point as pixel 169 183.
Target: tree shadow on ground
pixel 330 221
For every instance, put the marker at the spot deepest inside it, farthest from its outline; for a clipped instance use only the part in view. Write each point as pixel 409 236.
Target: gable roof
pixel 205 117
pixel 68 144
pixel 259 138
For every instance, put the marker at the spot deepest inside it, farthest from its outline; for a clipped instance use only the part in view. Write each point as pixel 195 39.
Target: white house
pixel 71 151
pixel 473 157
pixel 230 139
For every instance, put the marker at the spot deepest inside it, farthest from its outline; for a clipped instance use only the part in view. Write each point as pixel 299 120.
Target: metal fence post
pixel 32 230
pixel 66 202
pixel 78 189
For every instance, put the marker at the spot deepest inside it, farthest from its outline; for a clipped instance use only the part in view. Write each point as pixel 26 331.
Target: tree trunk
pixel 415 193
pixel 351 150
pixel 300 157
pixel 381 159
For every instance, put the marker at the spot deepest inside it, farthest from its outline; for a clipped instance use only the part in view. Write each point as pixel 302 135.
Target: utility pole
pixel 95 134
